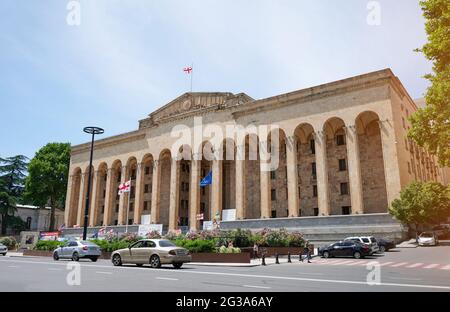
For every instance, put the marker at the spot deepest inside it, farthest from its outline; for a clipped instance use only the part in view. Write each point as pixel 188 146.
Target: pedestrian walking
pixel 308 253
pixel 255 251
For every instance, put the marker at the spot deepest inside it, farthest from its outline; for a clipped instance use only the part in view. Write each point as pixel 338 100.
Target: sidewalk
pixel 408 244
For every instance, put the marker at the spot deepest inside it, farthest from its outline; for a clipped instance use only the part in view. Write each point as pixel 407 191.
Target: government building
pixel 342 157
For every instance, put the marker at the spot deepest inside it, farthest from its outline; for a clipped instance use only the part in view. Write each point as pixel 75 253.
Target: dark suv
pixel 345 249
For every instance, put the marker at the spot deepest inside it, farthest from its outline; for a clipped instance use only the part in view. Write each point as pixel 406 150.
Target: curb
pixel 224 264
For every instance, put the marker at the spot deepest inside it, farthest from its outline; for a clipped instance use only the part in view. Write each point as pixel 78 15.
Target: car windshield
pixel 426 235
pixel 166 243
pixel 365 240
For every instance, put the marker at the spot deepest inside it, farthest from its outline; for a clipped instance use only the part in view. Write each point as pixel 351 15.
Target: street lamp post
pixel 93 131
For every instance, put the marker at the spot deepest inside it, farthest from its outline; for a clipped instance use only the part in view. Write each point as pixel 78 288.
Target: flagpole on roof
pixel 192 74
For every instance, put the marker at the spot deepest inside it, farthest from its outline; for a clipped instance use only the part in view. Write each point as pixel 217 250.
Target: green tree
pixel 422 203
pixel 47 177
pixel 431 125
pixel 12 178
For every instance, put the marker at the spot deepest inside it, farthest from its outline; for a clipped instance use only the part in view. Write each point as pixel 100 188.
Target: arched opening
pixel 185 156
pixel 146 187
pixel 371 163
pixel 228 150
pixel 85 192
pixel 165 159
pixel 278 174
pixel 306 168
pixel 252 178
pixel 74 197
pixel 337 164
pixel 207 152
pixel 129 207
pixel 99 207
pixel 116 172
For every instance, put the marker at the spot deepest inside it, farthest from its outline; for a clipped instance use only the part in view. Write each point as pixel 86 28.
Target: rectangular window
pixel 314 190
pixel 202 207
pixel 403 123
pixel 406 144
pixel 273 194
pixel 187 168
pixel 187 187
pixel 312 146
pixel 273 175
pixel 316 211
pixel 145 205
pixel 130 221
pixel 183 168
pixel 274 213
pixel 346 210
pixel 147 170
pixel 409 167
pixel 104 193
pixel 203 191
pixel 342 165
pixel 344 188
pixel 116 222
pixel 313 170
pixel 146 188
pixel 103 209
pixel 133 174
pixel 340 139
pixel 117 208
pixel 132 206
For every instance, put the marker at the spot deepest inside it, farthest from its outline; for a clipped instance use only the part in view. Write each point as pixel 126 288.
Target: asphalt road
pixel 419 269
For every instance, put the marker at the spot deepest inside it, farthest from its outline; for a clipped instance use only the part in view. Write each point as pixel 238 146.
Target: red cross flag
pixel 187 70
pixel 124 188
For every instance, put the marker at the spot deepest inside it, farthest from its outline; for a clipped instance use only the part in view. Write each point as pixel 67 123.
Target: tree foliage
pixel 431 125
pixel 47 177
pixel 422 203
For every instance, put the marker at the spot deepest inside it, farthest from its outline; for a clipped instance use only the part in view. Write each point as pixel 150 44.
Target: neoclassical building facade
pixel 342 150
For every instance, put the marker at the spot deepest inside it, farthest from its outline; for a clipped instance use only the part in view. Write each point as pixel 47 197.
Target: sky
pixel 125 58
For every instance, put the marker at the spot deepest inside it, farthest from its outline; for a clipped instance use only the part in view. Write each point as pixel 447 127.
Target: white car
pixel 428 239
pixel 368 240
pixel 3 249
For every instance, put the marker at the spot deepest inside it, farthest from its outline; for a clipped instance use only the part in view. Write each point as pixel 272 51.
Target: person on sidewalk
pixel 255 251
pixel 308 253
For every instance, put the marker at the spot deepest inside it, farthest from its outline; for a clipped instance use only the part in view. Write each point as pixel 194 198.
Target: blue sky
pixel 125 59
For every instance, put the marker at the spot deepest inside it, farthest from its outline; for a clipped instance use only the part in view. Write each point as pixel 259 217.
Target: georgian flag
pixel 187 70
pixel 124 188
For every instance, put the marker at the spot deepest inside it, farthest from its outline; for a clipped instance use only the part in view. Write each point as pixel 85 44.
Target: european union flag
pixel 206 180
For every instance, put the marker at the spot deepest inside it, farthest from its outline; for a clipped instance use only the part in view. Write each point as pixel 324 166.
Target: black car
pixel 345 249
pixel 385 244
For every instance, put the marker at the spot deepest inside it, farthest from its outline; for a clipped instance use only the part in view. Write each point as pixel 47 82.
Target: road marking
pixel 386 263
pixel 398 264
pixel 415 265
pixel 343 262
pixel 447 267
pixel 253 286
pixel 167 278
pixel 102 272
pixel 302 279
pixel 405 278
pixel 431 266
pixel 13 266
pixel 54 269
pixel 311 273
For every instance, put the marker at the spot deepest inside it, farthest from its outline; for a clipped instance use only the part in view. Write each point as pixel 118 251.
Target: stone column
pixel 266 200
pixel 94 198
pixel 69 210
pixel 123 200
pixel 354 170
pixel 81 200
pixel 139 193
pixel 391 167
pixel 240 182
pixel 216 188
pixel 292 175
pixel 156 188
pixel 174 193
pixel 109 196
pixel 320 142
pixel 194 197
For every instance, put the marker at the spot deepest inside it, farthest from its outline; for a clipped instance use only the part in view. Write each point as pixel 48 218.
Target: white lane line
pixel 54 269
pixel 398 264
pixel 343 262
pixel 415 265
pixel 13 266
pixel 253 286
pixel 447 267
pixel 431 266
pixel 102 272
pixel 167 278
pixel 301 279
pixel 404 278
pixel 311 273
pixel 386 263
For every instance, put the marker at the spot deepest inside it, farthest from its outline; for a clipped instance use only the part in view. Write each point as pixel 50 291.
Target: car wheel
pixel 116 260
pixel 326 254
pixel 357 255
pixel 75 256
pixel 139 264
pixel 177 265
pixel 155 262
pixel 55 256
pixel 94 259
pixel 382 249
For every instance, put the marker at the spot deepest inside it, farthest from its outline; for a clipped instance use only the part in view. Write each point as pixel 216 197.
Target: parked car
pixel 347 248
pixel 3 249
pixel 428 239
pixel 442 230
pixel 368 240
pixel 385 245
pixel 77 249
pixel 152 251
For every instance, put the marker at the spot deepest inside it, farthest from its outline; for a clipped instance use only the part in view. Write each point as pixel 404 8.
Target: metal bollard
pixel 300 257
pixel 263 259
pixel 289 257
pixel 276 259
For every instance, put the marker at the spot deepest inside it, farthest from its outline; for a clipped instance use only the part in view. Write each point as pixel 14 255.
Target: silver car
pixel 77 249
pixel 152 251
pixel 3 249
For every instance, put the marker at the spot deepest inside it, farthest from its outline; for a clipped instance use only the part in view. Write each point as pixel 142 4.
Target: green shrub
pixel 110 246
pixel 9 242
pixel 196 245
pixel 47 245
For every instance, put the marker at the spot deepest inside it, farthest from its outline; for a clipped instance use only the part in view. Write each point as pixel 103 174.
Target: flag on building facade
pixel 187 70
pixel 124 188
pixel 206 180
